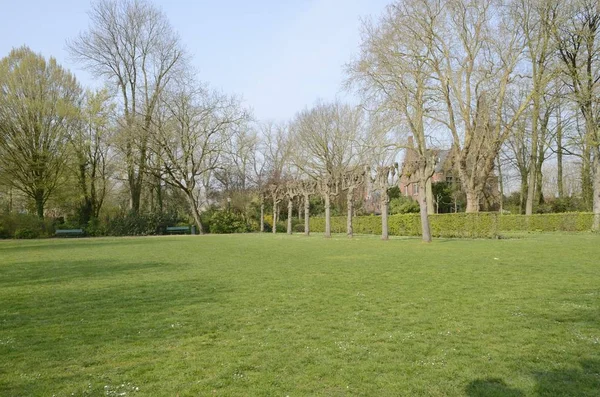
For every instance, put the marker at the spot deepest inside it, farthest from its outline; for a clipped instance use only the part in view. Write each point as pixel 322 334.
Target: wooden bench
pixel 178 229
pixel 69 232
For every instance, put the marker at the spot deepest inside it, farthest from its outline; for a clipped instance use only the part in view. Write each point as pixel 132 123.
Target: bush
pixel 26 234
pixel 224 222
pixel 134 224
pixel 27 226
pixel 403 205
pixel 299 228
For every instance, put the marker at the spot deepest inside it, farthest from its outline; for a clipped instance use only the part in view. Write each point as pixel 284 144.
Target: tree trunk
pixel 423 207
pixel 429 197
pixel 523 191
pixel 39 203
pixel 473 199
pixel 559 161
pixel 136 194
pixel 586 180
pixel 500 186
pixel 349 229
pixel 384 216
pixel 327 216
pixel 299 208
pixel 306 216
pixel 195 212
pixel 289 219
pixel 275 211
pixel 262 217
pixel 596 163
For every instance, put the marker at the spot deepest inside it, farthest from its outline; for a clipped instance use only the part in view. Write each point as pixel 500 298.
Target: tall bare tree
pixel 394 75
pixel 578 35
pixel 39 110
pixel 131 44
pixel 199 125
pixel 474 52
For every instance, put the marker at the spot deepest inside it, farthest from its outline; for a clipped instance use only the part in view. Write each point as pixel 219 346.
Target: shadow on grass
pixel 13 246
pixel 57 271
pixel 491 387
pixel 570 382
pixel 560 382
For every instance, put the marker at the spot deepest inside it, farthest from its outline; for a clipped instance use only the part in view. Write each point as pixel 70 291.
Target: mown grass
pixel 277 315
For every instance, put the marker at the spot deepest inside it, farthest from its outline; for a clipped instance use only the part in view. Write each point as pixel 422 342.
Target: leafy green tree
pixel 39 103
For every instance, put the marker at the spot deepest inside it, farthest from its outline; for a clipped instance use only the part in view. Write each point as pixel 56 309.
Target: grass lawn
pixel 254 315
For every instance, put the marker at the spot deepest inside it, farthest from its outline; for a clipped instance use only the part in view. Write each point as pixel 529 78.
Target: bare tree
pixel 578 35
pixel 395 76
pixel 130 43
pixel 199 125
pixel 307 188
pixel 381 184
pixel 291 192
pixel 351 181
pixel 474 52
pixel 329 187
pixel 330 140
pixel 277 192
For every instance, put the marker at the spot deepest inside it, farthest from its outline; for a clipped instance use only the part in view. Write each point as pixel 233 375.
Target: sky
pixel 279 56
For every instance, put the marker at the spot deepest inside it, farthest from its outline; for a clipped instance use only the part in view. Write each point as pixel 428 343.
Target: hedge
pixel 480 225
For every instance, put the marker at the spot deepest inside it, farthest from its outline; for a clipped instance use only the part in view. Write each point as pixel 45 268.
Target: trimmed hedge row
pixel 480 225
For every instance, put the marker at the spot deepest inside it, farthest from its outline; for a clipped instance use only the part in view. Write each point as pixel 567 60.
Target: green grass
pixel 277 315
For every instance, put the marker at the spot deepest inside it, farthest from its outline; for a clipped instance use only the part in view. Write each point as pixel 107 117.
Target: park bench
pixel 178 229
pixel 69 232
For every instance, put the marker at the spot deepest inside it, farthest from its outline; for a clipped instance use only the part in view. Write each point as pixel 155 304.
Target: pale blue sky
pixel 281 56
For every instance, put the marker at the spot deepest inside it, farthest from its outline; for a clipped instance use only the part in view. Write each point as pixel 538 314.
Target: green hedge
pixel 481 225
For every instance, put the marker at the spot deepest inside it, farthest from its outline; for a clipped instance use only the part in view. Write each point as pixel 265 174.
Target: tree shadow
pixel 491 387
pixel 561 382
pixel 570 382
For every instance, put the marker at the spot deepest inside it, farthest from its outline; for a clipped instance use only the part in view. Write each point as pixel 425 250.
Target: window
pixel 415 189
pixel 406 190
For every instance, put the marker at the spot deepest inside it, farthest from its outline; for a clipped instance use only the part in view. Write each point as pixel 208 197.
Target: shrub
pixel 134 224
pixel 403 205
pixel 26 225
pixel 25 234
pixel 299 228
pixel 224 222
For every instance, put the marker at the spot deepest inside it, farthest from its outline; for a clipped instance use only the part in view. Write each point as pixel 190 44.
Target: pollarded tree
pixel 329 187
pixel 131 44
pixel 291 192
pixel 351 181
pixel 39 109
pixel 307 188
pixel 381 183
pixel 277 193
